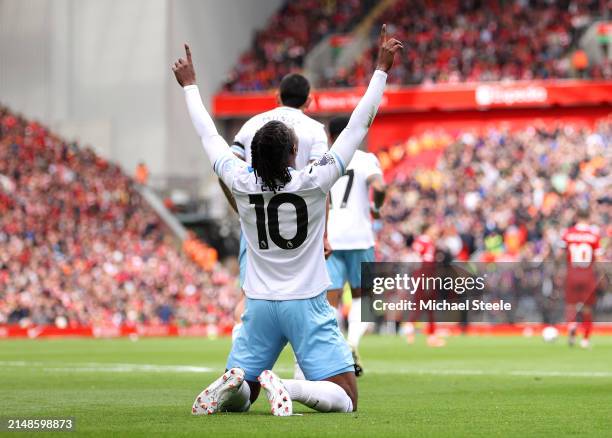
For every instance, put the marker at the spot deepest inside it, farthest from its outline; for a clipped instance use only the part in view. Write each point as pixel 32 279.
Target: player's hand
pixel 387 48
pixel 327 249
pixel 183 69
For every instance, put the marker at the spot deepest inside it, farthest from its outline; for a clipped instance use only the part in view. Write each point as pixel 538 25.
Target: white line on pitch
pixel 157 368
pixel 109 367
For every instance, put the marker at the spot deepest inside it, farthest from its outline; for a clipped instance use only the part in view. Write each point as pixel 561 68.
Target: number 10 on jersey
pixel 271 225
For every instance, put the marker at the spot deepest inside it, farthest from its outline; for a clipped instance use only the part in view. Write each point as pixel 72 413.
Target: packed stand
pixel 504 195
pixel 79 245
pixel 454 41
pixel 290 33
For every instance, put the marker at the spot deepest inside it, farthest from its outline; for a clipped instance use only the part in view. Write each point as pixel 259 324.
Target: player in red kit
pixel 425 246
pixel 581 243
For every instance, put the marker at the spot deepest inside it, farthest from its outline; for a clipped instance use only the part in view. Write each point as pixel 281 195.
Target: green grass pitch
pixel 476 386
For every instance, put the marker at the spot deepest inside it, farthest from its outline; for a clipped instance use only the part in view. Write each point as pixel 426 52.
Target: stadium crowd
pixel 78 245
pixel 468 40
pixel 504 195
pixel 446 41
pixel 290 33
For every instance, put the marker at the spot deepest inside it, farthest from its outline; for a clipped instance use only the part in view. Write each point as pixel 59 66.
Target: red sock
pixel 587 324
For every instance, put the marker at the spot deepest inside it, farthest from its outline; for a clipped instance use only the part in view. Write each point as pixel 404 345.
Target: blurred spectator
pixel 142 174
pixel 79 245
pixel 451 41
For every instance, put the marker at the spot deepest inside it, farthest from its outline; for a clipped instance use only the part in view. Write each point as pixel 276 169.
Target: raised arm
pixel 363 115
pixel 214 145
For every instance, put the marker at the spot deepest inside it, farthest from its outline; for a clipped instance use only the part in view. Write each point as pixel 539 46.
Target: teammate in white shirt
pixel 350 234
pixel 282 214
pixel 293 97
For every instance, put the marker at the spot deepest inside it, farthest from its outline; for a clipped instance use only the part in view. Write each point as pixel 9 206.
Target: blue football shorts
pixel 309 325
pixel 345 265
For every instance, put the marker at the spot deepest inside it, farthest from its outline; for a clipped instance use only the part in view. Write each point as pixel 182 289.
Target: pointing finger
pixel 383 34
pixel 188 52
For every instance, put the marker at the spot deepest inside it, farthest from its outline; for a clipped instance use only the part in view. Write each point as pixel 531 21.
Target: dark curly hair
pixel 271 150
pixel 294 90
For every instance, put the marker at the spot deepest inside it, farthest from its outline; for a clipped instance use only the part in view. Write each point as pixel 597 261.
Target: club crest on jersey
pixel 325 160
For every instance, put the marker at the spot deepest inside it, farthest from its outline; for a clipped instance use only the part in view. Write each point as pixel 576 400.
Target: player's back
pixel 312 138
pixel 581 242
pixel 284 231
pixel 425 247
pixel 278 224
pixel 350 225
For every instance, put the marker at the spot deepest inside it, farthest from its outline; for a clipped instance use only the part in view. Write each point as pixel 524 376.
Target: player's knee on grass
pixel 348 382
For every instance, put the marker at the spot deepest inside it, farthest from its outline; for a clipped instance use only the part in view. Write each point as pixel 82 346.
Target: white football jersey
pixel 312 138
pixel 349 225
pixel 283 230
